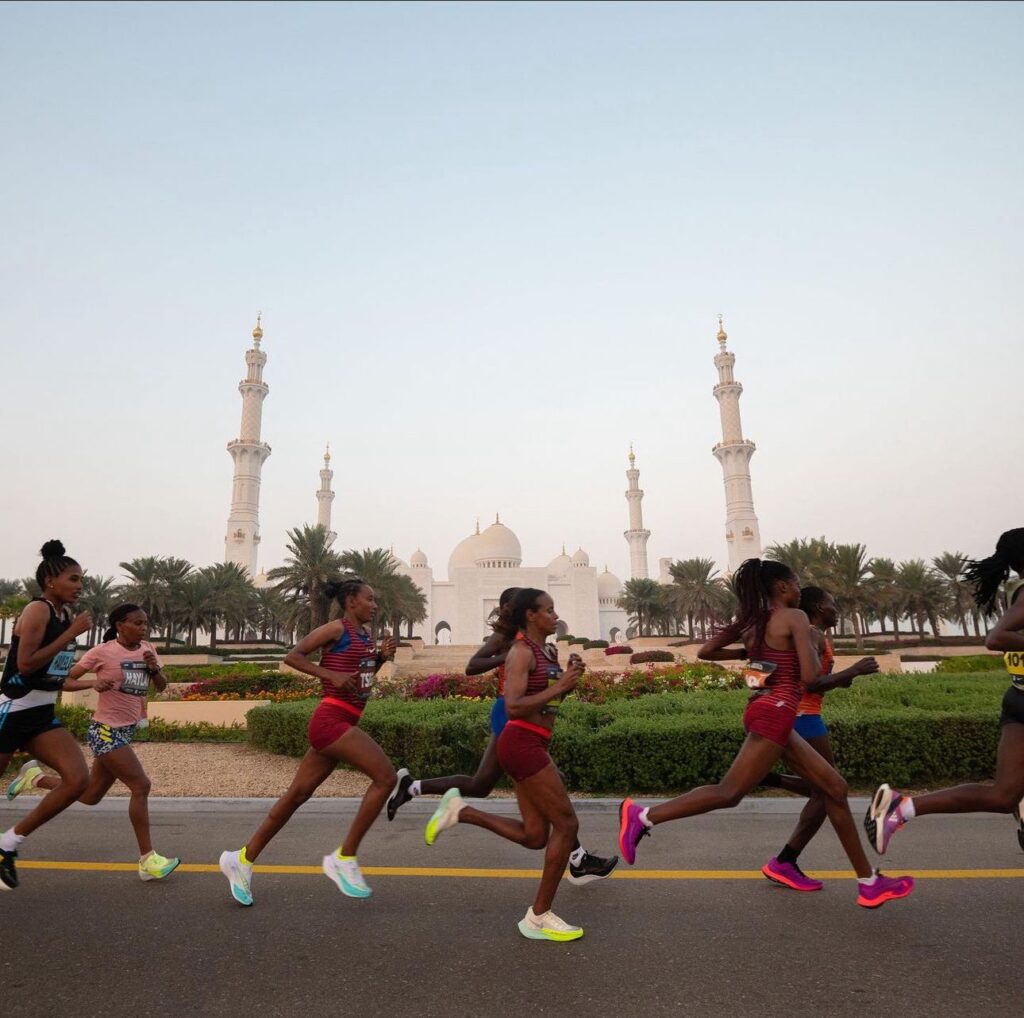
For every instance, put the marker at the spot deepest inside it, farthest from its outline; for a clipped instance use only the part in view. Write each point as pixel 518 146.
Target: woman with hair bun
pixel 783 662
pixel 534 683
pixel 39 659
pixel 889 810
pixel 348 661
pixel 124 664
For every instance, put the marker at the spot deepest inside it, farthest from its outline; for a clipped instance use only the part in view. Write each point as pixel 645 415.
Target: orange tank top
pixel 810 703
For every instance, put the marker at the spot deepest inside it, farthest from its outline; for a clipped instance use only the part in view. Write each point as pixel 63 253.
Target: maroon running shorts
pixel 523 749
pixel 770 717
pixel 330 721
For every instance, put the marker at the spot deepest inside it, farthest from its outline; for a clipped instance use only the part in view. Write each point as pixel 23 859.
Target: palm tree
pixel 644 600
pixel 811 559
pixel 99 593
pixel 950 567
pixel 267 608
pixel 172 571
pixel 310 565
pixel 401 601
pixel 10 608
pixel 146 586
pixel 849 582
pixel 30 587
pixel 883 594
pixel 192 604
pixel 230 590
pixel 922 593
pixel 697 591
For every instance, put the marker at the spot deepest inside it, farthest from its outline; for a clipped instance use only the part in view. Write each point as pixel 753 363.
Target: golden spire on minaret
pixel 327 453
pixel 632 455
pixel 257 333
pixel 722 337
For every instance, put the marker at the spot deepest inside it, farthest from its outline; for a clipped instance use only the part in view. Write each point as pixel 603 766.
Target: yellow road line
pixel 510 874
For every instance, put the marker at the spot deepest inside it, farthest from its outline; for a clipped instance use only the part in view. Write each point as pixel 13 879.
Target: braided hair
pixel 811 599
pixel 119 614
pixel 55 562
pixel 511 617
pixel 341 590
pixel 987 575
pixel 752 584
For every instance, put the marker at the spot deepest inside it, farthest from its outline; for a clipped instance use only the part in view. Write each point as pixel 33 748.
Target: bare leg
pixel 356 748
pixel 123 765
pixel 57 749
pixel 757 756
pixel 1000 797
pixel 813 815
pixel 479 786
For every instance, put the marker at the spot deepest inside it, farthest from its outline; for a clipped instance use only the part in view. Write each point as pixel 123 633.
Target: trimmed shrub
pixel 76 720
pixel 618 649
pixel 970 663
pixel 233 670
pixel 645 656
pixel 594 644
pixel 268 686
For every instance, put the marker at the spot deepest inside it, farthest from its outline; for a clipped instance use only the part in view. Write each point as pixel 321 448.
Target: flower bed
pixel 271 686
pixel 620 649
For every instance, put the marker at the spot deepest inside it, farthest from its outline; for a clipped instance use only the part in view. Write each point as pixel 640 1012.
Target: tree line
pixel 183 600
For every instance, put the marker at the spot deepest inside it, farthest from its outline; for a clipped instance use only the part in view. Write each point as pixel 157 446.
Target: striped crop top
pixel 355 651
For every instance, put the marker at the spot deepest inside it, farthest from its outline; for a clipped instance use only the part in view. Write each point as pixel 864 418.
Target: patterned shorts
pixel 105 739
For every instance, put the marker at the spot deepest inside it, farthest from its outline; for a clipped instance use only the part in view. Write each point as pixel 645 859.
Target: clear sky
pixel 489 243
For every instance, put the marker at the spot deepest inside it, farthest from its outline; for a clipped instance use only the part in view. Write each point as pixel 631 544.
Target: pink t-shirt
pixel 125 703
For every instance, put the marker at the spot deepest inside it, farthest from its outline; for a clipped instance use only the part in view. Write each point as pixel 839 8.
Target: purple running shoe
pixel 790 875
pixel 631 829
pixel 883 889
pixel 883 818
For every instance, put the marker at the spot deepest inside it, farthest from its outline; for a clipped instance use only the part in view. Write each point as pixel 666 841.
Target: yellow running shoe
pixel 548 927
pixel 446 815
pixel 156 867
pixel 25 779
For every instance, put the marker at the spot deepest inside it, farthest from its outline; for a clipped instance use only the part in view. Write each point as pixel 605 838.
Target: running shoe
pixel 790 875
pixel 1018 815
pixel 593 867
pixel 400 796
pixel 883 818
pixel 631 829
pixel 156 867
pixel 347 875
pixel 239 876
pixel 548 927
pixel 8 870
pixel 24 779
pixel 883 889
pixel 446 815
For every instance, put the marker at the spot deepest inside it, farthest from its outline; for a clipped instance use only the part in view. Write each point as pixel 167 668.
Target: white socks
pixel 868 881
pixel 414 788
pixel 907 810
pixel 9 841
pixel 643 818
pixel 576 856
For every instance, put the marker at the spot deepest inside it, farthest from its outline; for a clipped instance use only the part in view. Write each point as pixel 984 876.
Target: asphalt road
pixel 671 939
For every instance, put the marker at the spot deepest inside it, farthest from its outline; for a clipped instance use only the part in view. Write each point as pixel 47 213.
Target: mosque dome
pixel 498 548
pixel 464 555
pixel 418 559
pixel 559 565
pixel 609 586
pixel 580 558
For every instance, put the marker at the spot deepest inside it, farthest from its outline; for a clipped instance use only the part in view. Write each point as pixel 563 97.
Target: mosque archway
pixel 561 630
pixel 442 634
pixel 613 636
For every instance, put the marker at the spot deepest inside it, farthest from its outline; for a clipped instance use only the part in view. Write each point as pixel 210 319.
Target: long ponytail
pixel 987 575
pixel 752 584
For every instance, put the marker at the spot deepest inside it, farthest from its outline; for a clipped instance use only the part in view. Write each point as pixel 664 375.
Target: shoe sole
pixel 623 821
pixel 349 890
pixel 161 876
pixel 392 810
pixel 879 902
pixel 874 821
pixel 587 878
pixel 241 901
pixel 436 824
pixel 14 788
pixel 556 938
pixel 777 878
pixel 4 886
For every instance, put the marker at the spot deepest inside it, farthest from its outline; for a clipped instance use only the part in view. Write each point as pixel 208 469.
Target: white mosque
pixel 483 564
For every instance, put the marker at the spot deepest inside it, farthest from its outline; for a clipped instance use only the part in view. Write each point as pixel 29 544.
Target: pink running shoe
pixel 883 889
pixel 790 875
pixel 883 818
pixel 631 829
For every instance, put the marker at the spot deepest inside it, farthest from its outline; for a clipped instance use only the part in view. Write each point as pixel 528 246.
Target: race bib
pixel 134 678
pixel 1014 660
pixel 756 673
pixel 62 662
pixel 367 672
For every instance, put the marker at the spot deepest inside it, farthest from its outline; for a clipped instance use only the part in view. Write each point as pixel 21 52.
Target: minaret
pixel 733 452
pixel 249 453
pixel 636 537
pixel 325 496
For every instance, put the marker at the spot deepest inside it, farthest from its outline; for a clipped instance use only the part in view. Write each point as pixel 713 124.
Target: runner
pixel 778 635
pixel 890 810
pixel 534 682
pixel 41 654
pixel 820 608
pixel 349 660
pixel 124 665
pixel 583 867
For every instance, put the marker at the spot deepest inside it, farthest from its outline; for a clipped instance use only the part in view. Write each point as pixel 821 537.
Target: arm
pixel 490 656
pixel 155 670
pixel 800 631
pixel 844 679
pixel 32 627
pixel 1005 635
pixel 718 649
pixel 518 666
pixel 73 682
pixel 322 636
pixel 385 652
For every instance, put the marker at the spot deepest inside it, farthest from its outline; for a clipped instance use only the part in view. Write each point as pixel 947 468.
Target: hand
pixel 152 664
pixel 387 648
pixel 867 666
pixel 82 624
pixel 102 685
pixel 572 674
pixel 342 680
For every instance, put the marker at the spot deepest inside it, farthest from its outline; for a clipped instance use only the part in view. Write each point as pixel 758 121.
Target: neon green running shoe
pixel 156 867
pixel 25 779
pixel 446 815
pixel 548 927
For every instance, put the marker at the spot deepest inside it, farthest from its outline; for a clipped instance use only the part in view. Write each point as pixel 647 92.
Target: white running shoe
pixel 239 876
pixel 347 875
pixel 446 815
pixel 25 779
pixel 548 927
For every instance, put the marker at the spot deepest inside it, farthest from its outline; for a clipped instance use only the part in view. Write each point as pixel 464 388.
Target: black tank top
pixel 52 674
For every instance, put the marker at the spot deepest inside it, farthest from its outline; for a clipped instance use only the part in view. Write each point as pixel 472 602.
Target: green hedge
pixel 76 721
pixel 907 730
pixel 228 670
pixel 970 663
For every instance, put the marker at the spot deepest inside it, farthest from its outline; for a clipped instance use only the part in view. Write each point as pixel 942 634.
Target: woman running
pixel 41 654
pixel 889 810
pixel 349 660
pixel 533 682
pixel 778 635
pixel 583 867
pixel 820 608
pixel 124 664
